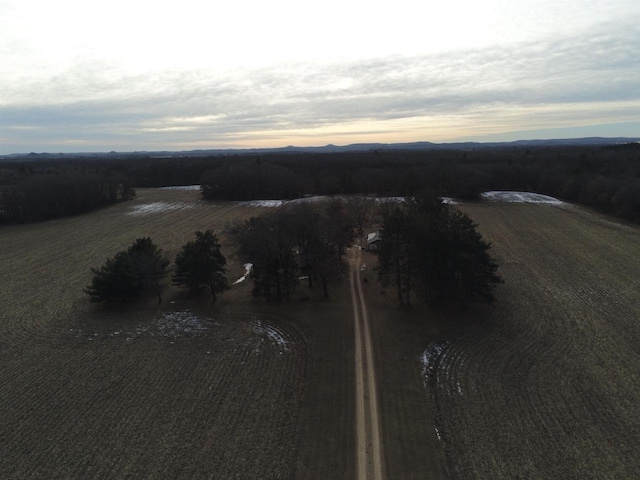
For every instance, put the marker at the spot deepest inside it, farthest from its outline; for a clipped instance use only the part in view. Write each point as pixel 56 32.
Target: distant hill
pixel 589 141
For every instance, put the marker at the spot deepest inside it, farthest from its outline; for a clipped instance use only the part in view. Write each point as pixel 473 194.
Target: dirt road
pixel 369 457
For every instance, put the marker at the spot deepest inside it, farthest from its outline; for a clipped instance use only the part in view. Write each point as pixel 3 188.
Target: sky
pixel 80 76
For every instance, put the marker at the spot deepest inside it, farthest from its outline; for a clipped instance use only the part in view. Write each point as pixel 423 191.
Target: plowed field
pixel 184 389
pixel 548 384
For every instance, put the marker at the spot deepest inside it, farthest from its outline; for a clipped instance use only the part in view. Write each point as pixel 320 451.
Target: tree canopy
pixel 200 264
pixel 129 273
pixel 265 242
pixel 40 187
pixel 434 252
pixel 298 239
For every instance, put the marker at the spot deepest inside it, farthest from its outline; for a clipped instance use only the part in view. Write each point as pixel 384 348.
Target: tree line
pixel 301 240
pixel 32 192
pixel 603 177
pixel 426 251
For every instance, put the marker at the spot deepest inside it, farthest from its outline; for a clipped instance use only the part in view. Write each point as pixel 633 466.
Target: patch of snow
pixel 169 324
pixel 262 203
pixel 520 197
pixel 322 198
pixel 315 199
pixel 438 433
pixel 446 200
pixel 271 333
pixel 181 187
pixel 247 271
pixel 178 324
pixel 430 358
pixel 390 199
pixel 158 207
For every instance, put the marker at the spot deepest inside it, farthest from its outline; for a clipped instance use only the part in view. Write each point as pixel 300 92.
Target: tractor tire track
pixel 369 452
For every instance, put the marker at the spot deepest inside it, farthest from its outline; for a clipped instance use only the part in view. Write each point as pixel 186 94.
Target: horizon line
pixel 587 140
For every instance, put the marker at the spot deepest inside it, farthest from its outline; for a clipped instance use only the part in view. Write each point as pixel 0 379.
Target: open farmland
pixel 548 384
pixel 544 385
pixel 184 389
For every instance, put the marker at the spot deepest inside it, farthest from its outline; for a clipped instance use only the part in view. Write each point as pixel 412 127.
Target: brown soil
pixel 543 385
pixel 184 389
pixel 547 384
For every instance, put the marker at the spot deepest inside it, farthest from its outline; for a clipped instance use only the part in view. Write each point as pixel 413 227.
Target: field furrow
pixel 177 390
pixel 545 386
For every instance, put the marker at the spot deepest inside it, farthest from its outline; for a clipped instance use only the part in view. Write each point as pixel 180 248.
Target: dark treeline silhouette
pixel 37 191
pixel 603 177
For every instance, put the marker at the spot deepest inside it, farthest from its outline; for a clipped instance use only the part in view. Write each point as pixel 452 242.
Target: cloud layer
pixel 571 80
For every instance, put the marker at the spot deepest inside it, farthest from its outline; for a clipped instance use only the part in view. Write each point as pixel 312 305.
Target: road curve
pixel 369 456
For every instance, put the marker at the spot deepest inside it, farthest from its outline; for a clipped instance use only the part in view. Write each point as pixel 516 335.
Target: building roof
pixel 373 237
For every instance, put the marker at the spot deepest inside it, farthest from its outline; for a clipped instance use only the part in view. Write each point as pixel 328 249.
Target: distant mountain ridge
pixel 355 147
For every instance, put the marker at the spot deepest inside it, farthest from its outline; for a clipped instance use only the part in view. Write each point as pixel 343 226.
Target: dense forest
pixel 603 177
pixel 37 191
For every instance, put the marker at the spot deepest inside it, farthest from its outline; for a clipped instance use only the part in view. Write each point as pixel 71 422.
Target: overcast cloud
pixel 576 77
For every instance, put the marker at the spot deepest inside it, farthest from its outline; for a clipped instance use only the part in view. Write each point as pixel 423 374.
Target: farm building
pixel 373 240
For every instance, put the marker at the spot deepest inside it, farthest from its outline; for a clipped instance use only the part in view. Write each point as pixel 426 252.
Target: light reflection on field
pixel 158 207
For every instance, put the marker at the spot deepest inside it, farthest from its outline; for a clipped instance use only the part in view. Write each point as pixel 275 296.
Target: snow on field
pixel 158 207
pixel 437 363
pixel 168 324
pixel 447 200
pixel 272 334
pixel 520 197
pixel 430 358
pixel 181 187
pixel 321 198
pixel 316 199
pixel 179 324
pixel 247 271
pixel 390 199
pixel 262 203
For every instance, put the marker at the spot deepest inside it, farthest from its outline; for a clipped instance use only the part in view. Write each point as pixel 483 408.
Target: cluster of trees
pixel 201 264
pixel 436 253
pixel 298 239
pixel 142 267
pixel 129 273
pixel 426 250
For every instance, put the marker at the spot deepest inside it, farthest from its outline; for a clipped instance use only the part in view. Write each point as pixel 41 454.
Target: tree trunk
pixel 158 293
pixel 213 293
pixel 325 287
